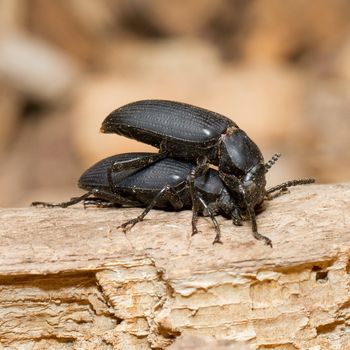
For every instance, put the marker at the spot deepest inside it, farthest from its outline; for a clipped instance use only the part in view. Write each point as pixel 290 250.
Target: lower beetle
pixel 165 184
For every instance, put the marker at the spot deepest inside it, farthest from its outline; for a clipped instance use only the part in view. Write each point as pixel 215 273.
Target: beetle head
pixel 248 190
pixel 242 168
pixel 253 185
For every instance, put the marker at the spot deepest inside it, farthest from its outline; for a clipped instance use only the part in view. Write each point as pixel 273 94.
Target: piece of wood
pixel 70 280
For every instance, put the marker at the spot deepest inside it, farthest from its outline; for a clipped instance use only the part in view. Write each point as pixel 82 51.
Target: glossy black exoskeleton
pixel 164 184
pixel 194 134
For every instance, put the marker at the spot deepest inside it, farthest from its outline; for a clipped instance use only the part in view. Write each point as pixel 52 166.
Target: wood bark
pixel 70 280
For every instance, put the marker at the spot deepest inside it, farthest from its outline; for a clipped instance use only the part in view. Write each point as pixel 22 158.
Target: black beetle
pixel 164 184
pixel 191 133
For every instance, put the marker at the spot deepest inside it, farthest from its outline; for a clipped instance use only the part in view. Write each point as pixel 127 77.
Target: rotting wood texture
pixel 70 280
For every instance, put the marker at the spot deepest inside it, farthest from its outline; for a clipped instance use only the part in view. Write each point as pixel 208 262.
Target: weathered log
pixel 70 280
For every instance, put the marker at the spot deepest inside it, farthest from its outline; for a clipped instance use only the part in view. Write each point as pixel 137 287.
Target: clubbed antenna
pixel 272 161
pixel 291 183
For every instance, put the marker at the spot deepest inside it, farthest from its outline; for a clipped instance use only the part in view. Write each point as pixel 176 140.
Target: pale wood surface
pixel 71 280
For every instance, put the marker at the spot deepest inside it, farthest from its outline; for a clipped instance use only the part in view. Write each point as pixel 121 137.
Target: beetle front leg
pixel 256 234
pixel 168 193
pixel 234 184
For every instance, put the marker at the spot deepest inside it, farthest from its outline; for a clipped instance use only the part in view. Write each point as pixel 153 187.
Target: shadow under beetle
pixel 185 132
pixel 164 184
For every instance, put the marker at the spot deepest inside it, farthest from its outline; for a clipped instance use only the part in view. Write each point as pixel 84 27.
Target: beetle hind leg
pixel 98 197
pixel 73 201
pixel 168 193
pixel 99 203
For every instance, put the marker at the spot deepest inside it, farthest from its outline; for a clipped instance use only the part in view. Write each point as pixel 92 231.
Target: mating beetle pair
pixel 189 138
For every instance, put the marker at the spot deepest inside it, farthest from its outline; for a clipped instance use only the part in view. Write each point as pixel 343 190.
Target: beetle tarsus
pixel 128 225
pixel 237 222
pixel 260 237
pixel 43 204
pixel 217 240
pixel 72 201
pixel 194 225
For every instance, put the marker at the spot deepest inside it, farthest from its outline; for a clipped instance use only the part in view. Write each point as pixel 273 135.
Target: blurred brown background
pixel 280 69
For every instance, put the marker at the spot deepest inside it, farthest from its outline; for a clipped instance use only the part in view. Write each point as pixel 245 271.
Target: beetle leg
pixel 282 188
pixel 100 195
pixel 194 221
pixel 114 198
pixel 256 234
pixel 217 238
pixel 168 193
pixel 99 203
pixel 259 208
pixel 236 217
pixel 130 164
pixel 233 182
pixel 73 201
pixel 200 169
pixel 195 205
